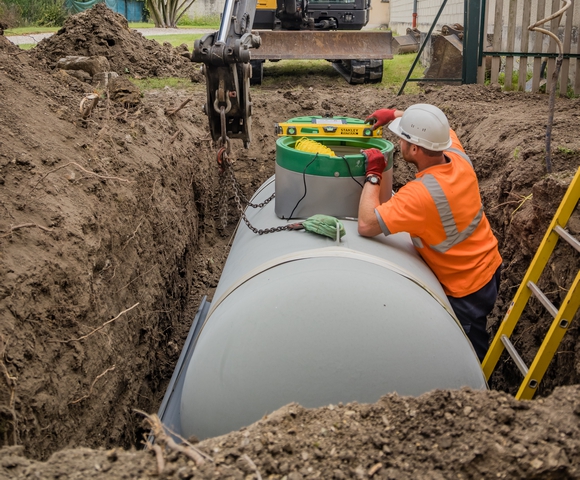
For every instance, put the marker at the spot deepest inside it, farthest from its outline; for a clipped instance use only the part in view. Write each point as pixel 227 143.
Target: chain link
pixel 239 197
pixel 223 201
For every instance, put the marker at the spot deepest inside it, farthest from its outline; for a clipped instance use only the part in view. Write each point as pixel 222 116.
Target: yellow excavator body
pixel 266 5
pixel 298 30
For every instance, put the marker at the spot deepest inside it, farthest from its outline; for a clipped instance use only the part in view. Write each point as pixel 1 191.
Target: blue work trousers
pixel 472 311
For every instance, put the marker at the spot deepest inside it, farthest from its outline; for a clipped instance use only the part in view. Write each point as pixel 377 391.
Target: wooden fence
pixel 530 56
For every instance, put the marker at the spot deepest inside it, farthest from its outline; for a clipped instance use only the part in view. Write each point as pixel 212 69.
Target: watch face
pixel 373 179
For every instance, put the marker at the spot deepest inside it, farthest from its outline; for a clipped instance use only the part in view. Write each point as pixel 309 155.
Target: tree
pixel 32 12
pixel 166 13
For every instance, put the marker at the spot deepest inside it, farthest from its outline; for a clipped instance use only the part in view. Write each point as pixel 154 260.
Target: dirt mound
pixel 101 32
pixel 440 435
pixel 7 46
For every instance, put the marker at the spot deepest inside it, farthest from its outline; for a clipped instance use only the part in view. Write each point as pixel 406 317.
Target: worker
pixel 442 211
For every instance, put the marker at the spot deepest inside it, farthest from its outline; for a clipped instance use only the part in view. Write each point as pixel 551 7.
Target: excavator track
pixel 360 71
pixel 354 71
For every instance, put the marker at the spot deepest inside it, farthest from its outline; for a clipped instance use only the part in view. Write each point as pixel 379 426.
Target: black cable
pixel 304 180
pixel 350 173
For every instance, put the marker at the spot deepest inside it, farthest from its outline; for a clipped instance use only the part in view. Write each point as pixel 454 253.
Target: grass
pixel 394 71
pixel 397 69
pixel 30 30
pixel 141 25
pixel 210 21
pixel 566 151
pixel 176 39
pixel 515 87
pixel 284 71
pixel 173 39
pixel 199 23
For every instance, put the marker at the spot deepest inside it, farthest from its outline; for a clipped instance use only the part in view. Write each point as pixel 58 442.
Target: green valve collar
pixel 326 166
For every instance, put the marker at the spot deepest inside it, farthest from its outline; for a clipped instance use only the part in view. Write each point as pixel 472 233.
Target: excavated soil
pixel 100 31
pixel 111 233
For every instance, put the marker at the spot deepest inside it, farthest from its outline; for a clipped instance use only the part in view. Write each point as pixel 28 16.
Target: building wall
pixel 380 13
pixel 206 8
pixel 402 14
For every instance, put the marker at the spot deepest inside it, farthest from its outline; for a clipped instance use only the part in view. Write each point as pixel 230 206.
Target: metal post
pixel 482 33
pixel 423 46
pixel 471 40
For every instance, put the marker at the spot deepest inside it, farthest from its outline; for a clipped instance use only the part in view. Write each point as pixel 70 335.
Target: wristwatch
pixel 373 179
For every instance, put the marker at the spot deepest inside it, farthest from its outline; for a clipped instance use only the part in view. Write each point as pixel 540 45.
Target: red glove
pixel 381 117
pixel 375 162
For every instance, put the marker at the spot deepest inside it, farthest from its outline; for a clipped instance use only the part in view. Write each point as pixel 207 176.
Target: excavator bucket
pixel 446 54
pixel 323 45
pixel 407 43
pixel 357 55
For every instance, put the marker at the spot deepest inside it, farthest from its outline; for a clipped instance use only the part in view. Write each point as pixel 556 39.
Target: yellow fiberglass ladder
pixel 562 316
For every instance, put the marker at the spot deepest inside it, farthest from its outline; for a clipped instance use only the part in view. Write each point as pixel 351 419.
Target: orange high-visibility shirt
pixel 442 211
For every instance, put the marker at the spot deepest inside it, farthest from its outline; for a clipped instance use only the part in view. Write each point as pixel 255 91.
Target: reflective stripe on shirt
pixel 417 242
pixel 453 236
pixel 461 154
pixel 382 223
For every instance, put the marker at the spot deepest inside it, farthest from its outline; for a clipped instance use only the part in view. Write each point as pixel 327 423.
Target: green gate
pixel 132 10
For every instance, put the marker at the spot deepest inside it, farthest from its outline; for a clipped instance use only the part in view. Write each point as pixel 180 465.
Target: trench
pixel 174 257
pixel 506 378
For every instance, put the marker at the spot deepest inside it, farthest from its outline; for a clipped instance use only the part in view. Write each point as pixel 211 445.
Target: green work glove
pixel 324 225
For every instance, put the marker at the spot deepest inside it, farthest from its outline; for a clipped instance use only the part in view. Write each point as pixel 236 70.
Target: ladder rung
pixel 566 236
pixel 509 346
pixel 542 298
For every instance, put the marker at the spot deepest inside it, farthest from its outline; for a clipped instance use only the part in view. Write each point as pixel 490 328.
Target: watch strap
pixel 370 178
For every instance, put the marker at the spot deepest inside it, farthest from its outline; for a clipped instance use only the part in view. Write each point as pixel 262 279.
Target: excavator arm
pixel 291 29
pixel 226 66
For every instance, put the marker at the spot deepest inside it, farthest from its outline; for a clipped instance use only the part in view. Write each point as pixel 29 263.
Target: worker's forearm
pixel 386 186
pixel 368 225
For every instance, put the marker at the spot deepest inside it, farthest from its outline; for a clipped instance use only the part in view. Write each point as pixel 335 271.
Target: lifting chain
pixel 224 165
pixel 224 146
pixel 239 197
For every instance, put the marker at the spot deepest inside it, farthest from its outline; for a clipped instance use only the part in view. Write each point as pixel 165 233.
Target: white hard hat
pixel 424 125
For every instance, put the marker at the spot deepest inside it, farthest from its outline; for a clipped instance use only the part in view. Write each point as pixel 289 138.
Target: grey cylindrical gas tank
pixel 299 317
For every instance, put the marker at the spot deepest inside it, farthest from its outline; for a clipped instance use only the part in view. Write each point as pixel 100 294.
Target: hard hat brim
pixel 395 127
